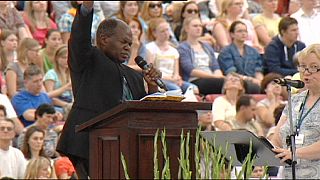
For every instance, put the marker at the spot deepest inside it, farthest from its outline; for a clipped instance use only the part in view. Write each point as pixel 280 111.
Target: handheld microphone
pixel 143 65
pixel 292 83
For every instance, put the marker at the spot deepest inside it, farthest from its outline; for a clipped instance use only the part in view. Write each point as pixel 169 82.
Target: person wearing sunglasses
pixel 12 161
pixel 191 9
pixel 305 117
pixel 151 10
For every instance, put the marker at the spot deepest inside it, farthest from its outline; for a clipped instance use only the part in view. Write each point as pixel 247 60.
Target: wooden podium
pixel 130 128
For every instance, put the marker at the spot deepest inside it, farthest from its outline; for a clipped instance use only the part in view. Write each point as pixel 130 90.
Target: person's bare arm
pixel 221 35
pixel 222 125
pixel 29 115
pixel 202 74
pixel 11 79
pixel 263 35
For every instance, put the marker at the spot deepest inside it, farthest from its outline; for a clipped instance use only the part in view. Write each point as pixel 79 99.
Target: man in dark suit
pixel 99 79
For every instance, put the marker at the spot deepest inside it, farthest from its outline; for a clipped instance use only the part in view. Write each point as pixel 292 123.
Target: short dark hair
pixel 285 22
pixel 234 24
pixel 44 108
pixel 107 27
pixel 267 79
pixel 31 70
pixel 9 120
pixel 244 100
pixel 3 108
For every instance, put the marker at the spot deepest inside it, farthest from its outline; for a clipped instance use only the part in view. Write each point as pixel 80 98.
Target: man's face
pixel 33 84
pixel 46 120
pixel 6 130
pixel 292 33
pixel 118 46
pixel 250 110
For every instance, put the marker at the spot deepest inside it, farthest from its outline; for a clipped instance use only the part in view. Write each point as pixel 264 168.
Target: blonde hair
pixel 64 77
pixel 223 12
pixel 26 45
pixel 186 22
pixel 5 33
pixel 145 11
pixel 30 14
pixel 152 26
pixel 34 166
pixel 314 48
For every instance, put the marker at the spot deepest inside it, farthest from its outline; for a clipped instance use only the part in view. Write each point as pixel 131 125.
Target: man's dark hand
pixel 150 75
pixel 88 4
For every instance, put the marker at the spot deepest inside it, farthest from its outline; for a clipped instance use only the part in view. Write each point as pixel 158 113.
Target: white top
pixel 308 27
pixel 12 163
pixel 164 60
pixel 4 100
pixel 223 110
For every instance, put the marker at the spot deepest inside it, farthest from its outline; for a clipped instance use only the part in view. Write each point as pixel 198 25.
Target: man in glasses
pixel 12 161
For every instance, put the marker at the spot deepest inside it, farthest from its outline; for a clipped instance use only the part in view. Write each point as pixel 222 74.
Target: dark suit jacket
pixel 97 84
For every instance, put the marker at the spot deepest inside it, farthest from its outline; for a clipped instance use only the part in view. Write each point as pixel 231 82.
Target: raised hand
pixel 88 4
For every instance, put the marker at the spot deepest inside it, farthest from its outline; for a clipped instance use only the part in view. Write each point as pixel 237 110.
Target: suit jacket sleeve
pixel 80 47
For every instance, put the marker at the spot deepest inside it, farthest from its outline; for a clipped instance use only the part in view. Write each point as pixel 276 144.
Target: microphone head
pixel 140 62
pixel 279 81
pixel 300 84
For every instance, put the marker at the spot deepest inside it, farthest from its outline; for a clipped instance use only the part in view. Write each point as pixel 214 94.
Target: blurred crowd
pixel 231 50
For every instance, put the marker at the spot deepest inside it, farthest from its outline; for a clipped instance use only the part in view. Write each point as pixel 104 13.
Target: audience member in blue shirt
pixel 242 59
pixel 27 101
pixel 279 53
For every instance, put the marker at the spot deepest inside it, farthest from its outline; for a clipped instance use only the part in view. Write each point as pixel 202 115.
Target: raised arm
pixel 80 37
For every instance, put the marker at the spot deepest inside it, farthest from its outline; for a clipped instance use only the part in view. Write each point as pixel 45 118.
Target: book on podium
pixel 239 144
pixel 173 95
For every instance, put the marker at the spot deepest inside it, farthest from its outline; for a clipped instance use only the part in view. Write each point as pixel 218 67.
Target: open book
pixel 174 95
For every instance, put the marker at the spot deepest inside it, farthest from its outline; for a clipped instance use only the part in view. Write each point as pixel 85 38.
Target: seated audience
pixel 52 42
pixel 45 118
pixel 308 21
pixel 10 18
pixel 3 112
pixel 65 22
pixel 266 107
pixel 266 23
pixel 191 9
pixel 151 10
pixel 36 17
pixel 127 11
pixel 138 47
pixel 164 56
pixel 224 107
pixel 245 116
pixel 57 80
pixel 279 53
pixel 64 168
pixel 40 168
pixel 231 11
pixel 197 59
pixel 33 143
pixel 27 101
pixel 28 53
pixel 10 113
pixel 8 47
pixel 241 58
pixel 12 161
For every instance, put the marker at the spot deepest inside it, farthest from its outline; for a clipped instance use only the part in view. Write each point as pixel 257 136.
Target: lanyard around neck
pixel 301 118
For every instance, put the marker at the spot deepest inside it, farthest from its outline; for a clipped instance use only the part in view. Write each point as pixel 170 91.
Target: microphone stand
pixel 291 140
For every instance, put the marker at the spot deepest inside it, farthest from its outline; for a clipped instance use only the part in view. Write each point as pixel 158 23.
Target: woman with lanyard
pixel 306 120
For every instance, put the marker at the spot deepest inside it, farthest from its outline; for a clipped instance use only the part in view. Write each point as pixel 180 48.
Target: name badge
pixel 299 139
